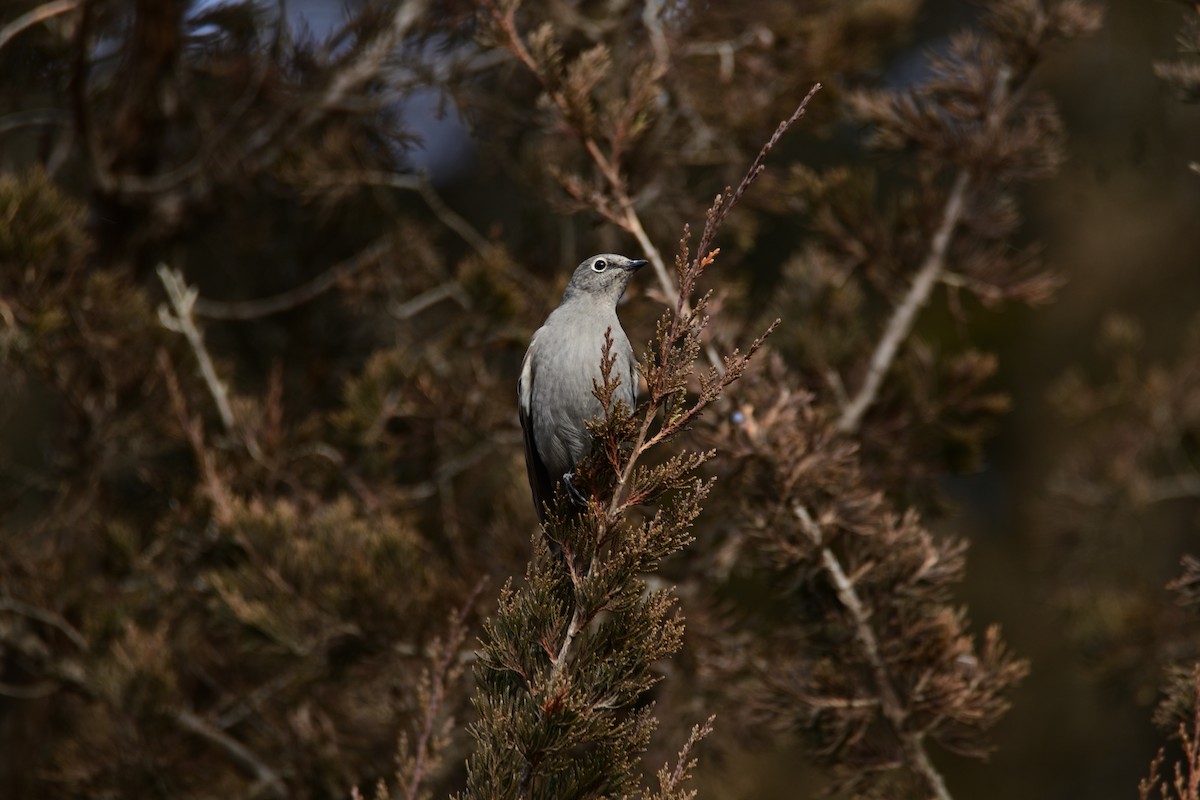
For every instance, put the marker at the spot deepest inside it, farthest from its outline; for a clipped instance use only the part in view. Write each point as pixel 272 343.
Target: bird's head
pixel 604 276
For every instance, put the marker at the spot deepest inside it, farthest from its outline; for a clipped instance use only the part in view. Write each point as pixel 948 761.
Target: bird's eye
pixel 599 265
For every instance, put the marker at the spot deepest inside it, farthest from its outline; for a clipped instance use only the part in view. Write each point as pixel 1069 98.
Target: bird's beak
pixel 637 264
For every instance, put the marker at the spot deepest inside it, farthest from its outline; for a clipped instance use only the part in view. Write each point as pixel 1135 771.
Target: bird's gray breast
pixel 569 348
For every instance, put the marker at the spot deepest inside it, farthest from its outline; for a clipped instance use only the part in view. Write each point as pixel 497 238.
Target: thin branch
pixel 901 323
pixel 181 319
pixel 241 755
pixel 730 199
pixel 890 703
pixel 193 429
pixel 48 617
pixel 685 763
pixel 34 16
pixel 903 317
pixel 285 301
pixel 417 183
pixel 445 668
pixel 33 117
pixel 450 290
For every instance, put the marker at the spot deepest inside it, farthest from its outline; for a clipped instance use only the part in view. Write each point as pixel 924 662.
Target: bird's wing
pixel 540 484
pixel 633 381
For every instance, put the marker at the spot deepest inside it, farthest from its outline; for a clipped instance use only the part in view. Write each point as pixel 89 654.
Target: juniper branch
pixel 904 316
pixel 890 703
pixel 900 324
pixel 442 672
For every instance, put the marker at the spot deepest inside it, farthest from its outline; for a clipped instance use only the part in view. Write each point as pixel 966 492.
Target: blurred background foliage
pixel 229 587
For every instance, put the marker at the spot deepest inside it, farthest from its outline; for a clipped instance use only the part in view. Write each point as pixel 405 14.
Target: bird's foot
pixel 576 496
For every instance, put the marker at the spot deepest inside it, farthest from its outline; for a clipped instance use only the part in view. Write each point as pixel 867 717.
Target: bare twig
pixel 50 618
pixel 901 323
pixel 33 117
pixel 181 319
pixel 284 301
pixel 416 183
pixel 450 290
pixel 893 708
pixel 34 16
pixel 904 315
pixel 265 777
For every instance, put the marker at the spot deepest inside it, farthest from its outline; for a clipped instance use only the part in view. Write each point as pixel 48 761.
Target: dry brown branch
pixel 284 301
pixel 180 320
pixel 671 783
pixel 893 708
pixel 41 615
pixel 905 314
pixel 445 668
pixel 267 779
pixel 415 183
pixel 34 16
pixel 903 317
pixel 193 429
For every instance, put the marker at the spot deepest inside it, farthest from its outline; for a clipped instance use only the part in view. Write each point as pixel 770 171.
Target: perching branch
pixel 538 702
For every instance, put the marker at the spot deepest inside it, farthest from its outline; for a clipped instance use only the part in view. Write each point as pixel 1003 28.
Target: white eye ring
pixel 599 265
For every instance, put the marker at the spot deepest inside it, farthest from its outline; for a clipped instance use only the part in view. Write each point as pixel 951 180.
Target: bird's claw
pixel 578 498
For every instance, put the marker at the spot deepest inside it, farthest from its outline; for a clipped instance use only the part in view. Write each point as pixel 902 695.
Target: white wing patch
pixel 525 382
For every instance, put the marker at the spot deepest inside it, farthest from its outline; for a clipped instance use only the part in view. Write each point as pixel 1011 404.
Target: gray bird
pixel 554 394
